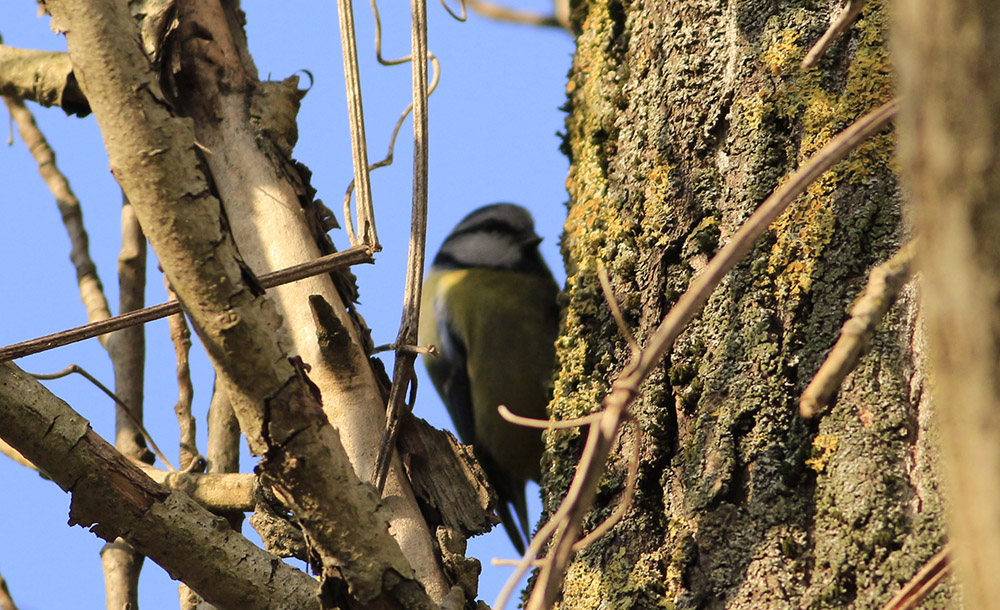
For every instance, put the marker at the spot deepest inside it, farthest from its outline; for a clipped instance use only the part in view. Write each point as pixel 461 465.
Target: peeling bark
pixel 249 127
pixel 155 157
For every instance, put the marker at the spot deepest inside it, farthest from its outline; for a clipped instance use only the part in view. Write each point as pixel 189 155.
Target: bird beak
pixel 531 242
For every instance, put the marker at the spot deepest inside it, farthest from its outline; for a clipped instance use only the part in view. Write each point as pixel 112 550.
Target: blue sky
pixel 493 124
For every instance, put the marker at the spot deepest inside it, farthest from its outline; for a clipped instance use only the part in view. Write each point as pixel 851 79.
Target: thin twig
pixel 499 12
pixel 586 420
pixel 403 375
pixel 127 347
pixel 387 160
pixel 378 40
pixel 74 368
pixel 91 290
pixel 359 145
pixel 630 479
pixel 923 582
pixel 884 284
pixel 616 312
pixel 352 256
pixel 838 27
pixel 463 16
pixel 180 336
pixel 565 523
pixel 430 350
pixel 546 424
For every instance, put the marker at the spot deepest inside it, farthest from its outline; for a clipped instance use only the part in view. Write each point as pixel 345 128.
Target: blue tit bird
pixel 490 306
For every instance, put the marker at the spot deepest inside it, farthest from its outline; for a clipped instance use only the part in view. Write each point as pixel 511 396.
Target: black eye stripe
pixel 499 236
pixel 447 261
pixel 488 225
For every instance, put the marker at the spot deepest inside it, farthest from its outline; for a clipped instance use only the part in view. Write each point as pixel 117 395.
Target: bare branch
pixel 114 498
pixel 45 77
pixel 180 336
pixel 463 16
pixel 359 145
pixel 323 264
pixel 219 493
pixel 547 424
pixel 121 566
pixel 616 312
pixel 838 27
pixel 387 160
pixel 922 583
pixel 127 347
pixel 91 290
pixel 223 451
pixel 403 375
pixel 630 479
pixel 884 284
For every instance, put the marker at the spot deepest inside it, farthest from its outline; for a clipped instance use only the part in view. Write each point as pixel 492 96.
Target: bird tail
pixel 518 535
pixel 510 494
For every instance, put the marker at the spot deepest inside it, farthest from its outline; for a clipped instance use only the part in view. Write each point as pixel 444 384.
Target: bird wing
pixel 454 375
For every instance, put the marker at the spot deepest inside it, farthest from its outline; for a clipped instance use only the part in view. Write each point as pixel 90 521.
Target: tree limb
pixel 45 77
pixel 219 493
pixel 263 195
pixel 112 497
pixel 91 289
pixel 154 156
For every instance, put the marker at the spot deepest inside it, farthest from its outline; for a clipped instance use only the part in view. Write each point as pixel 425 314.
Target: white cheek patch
pixel 484 250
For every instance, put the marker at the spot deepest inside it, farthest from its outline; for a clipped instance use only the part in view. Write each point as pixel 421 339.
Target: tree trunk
pixel 684 117
pixel 950 130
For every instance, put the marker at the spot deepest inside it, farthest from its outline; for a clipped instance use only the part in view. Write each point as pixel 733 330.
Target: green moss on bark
pixel 683 117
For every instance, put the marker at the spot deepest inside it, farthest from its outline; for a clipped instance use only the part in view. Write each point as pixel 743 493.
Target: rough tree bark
pixel 683 117
pixel 164 134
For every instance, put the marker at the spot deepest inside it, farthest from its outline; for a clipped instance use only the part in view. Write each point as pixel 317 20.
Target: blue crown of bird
pixel 490 306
